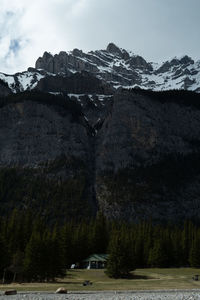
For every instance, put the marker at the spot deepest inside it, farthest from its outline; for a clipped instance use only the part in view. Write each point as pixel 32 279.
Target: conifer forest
pixel 32 250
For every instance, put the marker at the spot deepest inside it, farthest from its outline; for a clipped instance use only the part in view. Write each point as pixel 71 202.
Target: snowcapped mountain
pixel 122 68
pixel 115 66
pixel 131 153
pixel 26 80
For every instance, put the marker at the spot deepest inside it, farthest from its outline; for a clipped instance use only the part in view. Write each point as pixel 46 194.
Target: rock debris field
pixel 158 295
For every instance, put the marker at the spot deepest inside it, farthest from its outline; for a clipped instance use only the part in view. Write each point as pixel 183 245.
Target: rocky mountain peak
pixel 114 66
pixel 112 48
pixel 47 55
pixel 186 60
pixel 77 52
pixel 115 50
pixel 119 67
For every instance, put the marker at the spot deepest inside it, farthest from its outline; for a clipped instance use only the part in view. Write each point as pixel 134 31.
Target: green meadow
pixel 142 279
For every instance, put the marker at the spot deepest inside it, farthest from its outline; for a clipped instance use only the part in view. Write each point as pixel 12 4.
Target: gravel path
pixel 149 295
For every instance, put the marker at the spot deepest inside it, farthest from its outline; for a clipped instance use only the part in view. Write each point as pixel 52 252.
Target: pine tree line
pixel 31 250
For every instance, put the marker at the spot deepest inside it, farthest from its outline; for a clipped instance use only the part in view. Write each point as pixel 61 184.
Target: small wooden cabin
pixel 96 261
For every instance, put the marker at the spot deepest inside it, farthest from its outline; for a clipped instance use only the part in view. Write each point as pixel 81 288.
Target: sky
pixel 155 29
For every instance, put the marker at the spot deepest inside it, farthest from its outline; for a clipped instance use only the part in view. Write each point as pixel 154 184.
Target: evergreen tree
pixel 194 256
pixel 157 255
pixel 55 263
pixel 176 247
pixel 147 243
pixel 35 258
pixel 68 250
pixel 81 242
pixel 139 251
pixel 4 256
pixel 100 235
pixel 185 244
pixel 17 266
pixel 119 262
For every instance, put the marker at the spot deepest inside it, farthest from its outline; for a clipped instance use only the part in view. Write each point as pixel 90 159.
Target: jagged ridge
pixel 123 68
pixel 116 66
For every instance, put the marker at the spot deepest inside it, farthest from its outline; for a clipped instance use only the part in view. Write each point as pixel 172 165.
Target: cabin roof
pixel 97 257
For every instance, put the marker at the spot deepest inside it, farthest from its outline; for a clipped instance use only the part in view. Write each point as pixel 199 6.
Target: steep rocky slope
pixel 46 156
pixel 135 157
pixel 148 161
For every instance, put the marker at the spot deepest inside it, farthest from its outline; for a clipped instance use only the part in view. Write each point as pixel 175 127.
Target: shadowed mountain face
pixel 148 161
pixel 133 154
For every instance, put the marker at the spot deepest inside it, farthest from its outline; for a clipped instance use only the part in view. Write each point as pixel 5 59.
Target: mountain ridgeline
pixel 114 66
pixel 74 143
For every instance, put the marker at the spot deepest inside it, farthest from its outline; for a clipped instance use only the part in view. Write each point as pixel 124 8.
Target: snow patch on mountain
pixel 20 82
pixel 9 79
pixel 122 68
pixel 115 66
pixel 28 80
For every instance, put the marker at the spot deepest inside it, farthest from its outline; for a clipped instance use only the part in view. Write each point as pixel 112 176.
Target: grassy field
pixel 143 279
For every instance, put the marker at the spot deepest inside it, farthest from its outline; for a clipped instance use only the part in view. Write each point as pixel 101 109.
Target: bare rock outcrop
pixel 148 158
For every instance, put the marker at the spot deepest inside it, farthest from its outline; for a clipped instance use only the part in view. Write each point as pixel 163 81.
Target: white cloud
pixel 36 26
pixel 153 28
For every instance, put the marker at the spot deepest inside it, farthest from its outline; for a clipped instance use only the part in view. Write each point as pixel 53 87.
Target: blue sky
pixel 155 29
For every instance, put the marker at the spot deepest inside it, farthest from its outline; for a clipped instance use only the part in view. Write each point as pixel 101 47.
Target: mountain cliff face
pixel 140 159
pixel 46 157
pixel 73 142
pixel 148 157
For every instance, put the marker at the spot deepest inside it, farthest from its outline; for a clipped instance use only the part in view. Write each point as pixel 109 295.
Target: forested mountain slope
pixel 132 154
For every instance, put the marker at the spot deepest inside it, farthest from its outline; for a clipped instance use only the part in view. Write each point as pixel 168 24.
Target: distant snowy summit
pixel 120 67
pixel 115 66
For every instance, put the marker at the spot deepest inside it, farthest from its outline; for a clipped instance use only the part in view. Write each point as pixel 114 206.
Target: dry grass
pixel 143 279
